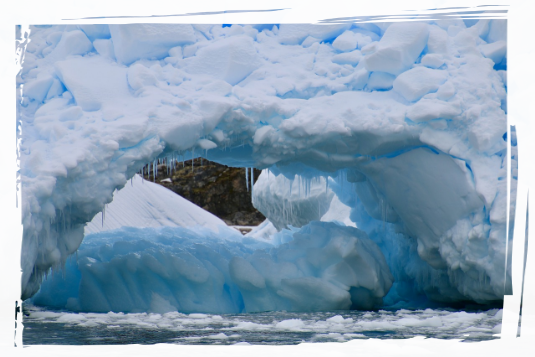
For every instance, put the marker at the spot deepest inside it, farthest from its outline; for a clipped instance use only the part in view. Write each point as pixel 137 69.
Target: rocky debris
pixel 219 189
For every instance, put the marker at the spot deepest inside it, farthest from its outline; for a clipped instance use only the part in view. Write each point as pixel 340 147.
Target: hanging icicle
pixel 247 178
pixel 252 180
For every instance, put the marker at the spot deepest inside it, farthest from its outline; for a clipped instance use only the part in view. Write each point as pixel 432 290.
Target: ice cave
pixel 383 150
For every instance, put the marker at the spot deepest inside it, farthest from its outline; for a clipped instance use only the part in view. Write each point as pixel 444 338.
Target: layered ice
pixel 323 267
pixel 413 115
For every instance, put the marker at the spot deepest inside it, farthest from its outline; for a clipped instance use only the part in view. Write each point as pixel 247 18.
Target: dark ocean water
pixel 47 327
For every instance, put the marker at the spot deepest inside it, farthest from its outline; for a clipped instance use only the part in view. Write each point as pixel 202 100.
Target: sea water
pixel 29 331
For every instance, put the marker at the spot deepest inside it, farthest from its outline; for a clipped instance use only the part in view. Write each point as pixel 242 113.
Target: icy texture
pixel 142 203
pixel 428 155
pixel 295 202
pixel 325 267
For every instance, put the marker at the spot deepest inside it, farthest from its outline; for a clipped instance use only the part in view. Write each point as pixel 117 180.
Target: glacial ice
pixel 407 125
pixel 157 252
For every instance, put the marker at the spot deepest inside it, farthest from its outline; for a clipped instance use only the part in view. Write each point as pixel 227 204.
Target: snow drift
pixel 410 116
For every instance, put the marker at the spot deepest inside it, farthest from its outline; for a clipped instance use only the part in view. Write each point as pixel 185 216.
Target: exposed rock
pixel 219 189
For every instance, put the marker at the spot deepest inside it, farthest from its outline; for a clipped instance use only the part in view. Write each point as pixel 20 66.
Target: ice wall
pixel 324 267
pixel 414 111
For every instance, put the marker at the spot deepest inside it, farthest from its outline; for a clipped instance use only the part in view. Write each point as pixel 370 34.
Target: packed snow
pixel 404 123
pixel 142 203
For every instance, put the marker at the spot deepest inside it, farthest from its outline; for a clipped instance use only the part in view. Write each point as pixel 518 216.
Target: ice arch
pixel 412 113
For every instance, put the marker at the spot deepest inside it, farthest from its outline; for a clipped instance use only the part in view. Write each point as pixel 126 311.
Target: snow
pixel 142 203
pixel 136 41
pixel 420 167
pixel 417 82
pixel 400 46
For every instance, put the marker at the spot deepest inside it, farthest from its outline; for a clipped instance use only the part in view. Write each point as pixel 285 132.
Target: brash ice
pixel 394 131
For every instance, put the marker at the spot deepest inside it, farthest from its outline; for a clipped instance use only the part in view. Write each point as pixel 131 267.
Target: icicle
pixel 156 174
pixel 192 151
pixel 252 180
pixel 247 178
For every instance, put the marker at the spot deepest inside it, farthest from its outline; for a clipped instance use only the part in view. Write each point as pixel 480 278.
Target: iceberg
pixel 402 125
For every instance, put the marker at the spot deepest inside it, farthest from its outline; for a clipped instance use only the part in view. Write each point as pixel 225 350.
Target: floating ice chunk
pixel 463 346
pixel 419 81
pixel 346 42
pixel 132 42
pixel 230 59
pixel 240 346
pixel 393 349
pixel 95 25
pixel 261 14
pixel 320 19
pixel 399 47
pixel 214 10
pixel 380 10
pixel 292 324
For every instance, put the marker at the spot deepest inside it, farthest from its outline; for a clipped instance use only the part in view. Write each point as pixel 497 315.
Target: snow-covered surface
pixel 142 203
pixel 324 267
pixel 413 115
